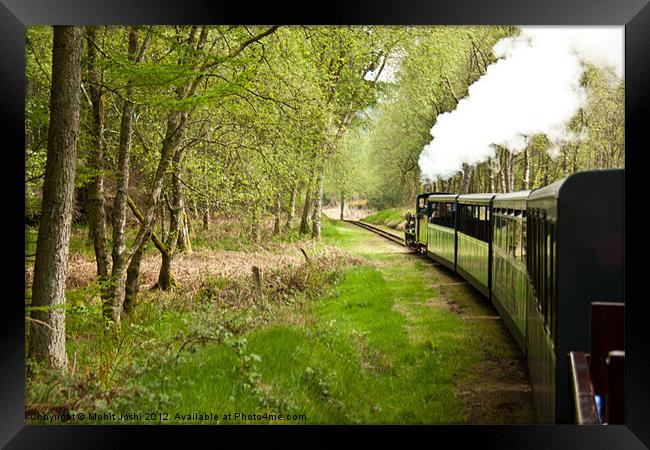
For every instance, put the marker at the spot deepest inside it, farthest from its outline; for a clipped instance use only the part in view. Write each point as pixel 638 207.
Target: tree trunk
pixel 47 328
pixel 511 170
pixel 304 222
pixel 184 241
pixel 575 159
pixel 466 178
pixel 165 276
pixel 342 203
pixel 161 215
pixel 255 226
pixel 96 215
pixel 506 171
pixel 491 166
pixel 318 206
pixel 502 170
pixel 132 287
pixel 195 211
pixel 546 159
pixel 206 218
pixel 113 304
pixel 189 215
pixel 526 185
pixel 278 212
pixel 292 205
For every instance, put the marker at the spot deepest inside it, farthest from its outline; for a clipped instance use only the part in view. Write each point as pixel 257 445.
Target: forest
pixel 176 179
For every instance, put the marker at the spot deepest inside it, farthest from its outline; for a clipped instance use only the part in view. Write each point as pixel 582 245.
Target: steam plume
pixel 533 88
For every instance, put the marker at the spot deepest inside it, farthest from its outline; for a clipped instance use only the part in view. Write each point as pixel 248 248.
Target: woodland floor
pixel 362 332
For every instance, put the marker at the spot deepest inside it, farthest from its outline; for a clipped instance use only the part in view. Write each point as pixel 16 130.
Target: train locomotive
pixel 541 257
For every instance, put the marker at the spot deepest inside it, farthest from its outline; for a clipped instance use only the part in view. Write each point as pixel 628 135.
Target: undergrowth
pixel 111 370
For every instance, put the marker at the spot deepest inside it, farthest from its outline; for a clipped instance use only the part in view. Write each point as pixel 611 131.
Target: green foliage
pixel 437 65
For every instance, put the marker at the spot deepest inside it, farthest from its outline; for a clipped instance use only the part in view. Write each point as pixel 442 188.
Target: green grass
pixel 391 217
pixel 368 349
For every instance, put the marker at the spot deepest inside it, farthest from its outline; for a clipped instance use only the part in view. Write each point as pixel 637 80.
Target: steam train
pixel 541 257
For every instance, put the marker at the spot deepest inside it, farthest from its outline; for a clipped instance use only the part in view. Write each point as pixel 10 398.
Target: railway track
pixel 390 236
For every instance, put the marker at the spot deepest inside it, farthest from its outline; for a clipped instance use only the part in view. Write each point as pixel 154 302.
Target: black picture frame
pixel 15 15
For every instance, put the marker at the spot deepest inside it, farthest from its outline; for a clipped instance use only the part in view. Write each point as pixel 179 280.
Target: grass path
pixel 459 354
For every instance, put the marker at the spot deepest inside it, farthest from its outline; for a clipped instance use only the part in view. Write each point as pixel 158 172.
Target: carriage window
pixel 463 218
pixel 517 241
pixel 526 226
pixel 502 232
pixel 554 286
pixel 531 251
pixel 444 214
pixel 548 279
pixel 538 252
pixel 481 223
pixel 444 211
pixel 474 221
pixel 529 242
pixel 513 236
pixel 434 213
pixel 541 261
pixel 501 224
pixel 524 241
pixel 452 217
pixel 534 259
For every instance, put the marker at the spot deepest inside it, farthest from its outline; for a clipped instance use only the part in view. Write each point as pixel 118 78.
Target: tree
pixel 47 326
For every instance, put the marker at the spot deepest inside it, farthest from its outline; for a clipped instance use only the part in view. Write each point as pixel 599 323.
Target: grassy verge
pixel 391 217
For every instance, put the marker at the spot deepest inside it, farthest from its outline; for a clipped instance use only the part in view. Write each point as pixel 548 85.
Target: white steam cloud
pixel 534 88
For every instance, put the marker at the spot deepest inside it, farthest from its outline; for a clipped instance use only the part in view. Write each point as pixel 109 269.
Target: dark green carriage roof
pixel 476 199
pixel 585 183
pixel 439 198
pixel 511 200
pixel 547 192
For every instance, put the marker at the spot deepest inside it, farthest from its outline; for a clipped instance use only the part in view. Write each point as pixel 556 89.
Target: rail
pixel 390 236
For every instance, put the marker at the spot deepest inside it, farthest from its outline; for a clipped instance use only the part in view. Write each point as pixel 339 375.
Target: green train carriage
pixel 541 257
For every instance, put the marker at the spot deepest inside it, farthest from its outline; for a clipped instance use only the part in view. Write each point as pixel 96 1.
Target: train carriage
pixel 422 213
pixel 474 243
pixel 575 240
pixel 509 287
pixel 441 229
pixel 542 257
